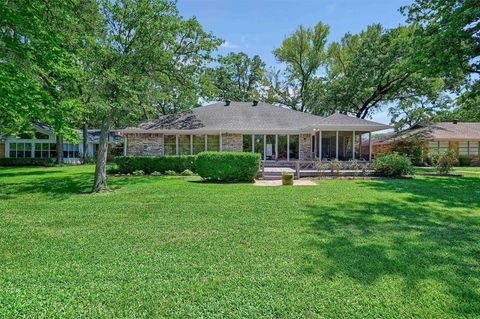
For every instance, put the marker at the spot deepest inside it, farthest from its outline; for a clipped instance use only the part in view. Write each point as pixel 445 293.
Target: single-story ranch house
pixel 43 144
pixel 462 137
pixel 277 133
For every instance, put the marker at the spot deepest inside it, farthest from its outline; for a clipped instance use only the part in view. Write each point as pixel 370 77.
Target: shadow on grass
pixel 29 173
pixel 408 238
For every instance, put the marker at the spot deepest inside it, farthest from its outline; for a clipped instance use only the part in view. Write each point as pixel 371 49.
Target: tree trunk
pixel 85 144
pixel 100 184
pixel 59 149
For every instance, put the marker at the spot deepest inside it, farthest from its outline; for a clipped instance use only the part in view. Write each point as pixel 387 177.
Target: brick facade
pixel 232 142
pixel 305 147
pixel 145 144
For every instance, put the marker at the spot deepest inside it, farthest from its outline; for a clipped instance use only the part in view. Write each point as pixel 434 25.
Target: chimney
pixel 455 121
pixel 227 102
pixel 255 103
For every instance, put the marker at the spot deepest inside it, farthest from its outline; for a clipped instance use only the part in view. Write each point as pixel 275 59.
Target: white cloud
pixel 228 45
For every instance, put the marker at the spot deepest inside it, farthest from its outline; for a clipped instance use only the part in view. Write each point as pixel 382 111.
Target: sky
pixel 259 26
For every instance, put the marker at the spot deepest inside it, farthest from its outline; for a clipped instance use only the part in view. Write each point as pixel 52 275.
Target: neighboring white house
pixel 44 145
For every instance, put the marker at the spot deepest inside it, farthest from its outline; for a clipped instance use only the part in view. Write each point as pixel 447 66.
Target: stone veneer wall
pixel 145 144
pixel 232 142
pixel 305 147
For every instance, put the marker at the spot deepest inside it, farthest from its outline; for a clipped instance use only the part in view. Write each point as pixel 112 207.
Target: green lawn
pixel 455 170
pixel 175 247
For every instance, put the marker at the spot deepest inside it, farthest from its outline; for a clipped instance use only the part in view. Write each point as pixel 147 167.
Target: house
pixel 462 137
pixel 43 144
pixel 277 133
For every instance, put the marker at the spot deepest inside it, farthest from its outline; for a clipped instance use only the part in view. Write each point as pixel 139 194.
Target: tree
pixel 143 46
pixel 303 54
pixel 237 77
pixel 371 69
pixel 448 42
pixel 38 68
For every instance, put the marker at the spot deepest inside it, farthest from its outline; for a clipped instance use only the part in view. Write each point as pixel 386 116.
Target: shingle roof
pixel 244 117
pixel 438 131
pixel 93 136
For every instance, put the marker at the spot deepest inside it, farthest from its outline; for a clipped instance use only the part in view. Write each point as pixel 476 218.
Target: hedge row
pixel 228 166
pixel 150 164
pixel 27 161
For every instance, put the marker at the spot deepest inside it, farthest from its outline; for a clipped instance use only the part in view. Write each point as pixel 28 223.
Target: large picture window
pixel 247 143
pixel 282 147
pixel 294 147
pixel 71 150
pixel 170 145
pixel 213 143
pixel 184 144
pixel 198 143
pixel 259 145
pixel 45 150
pixel 270 143
pixel 20 150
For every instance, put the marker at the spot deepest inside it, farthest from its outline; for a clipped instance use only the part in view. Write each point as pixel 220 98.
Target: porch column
pixel 176 144
pixel 353 145
pixel 206 139
pixel 336 147
pixel 288 147
pixel 125 146
pixel 253 143
pixel 369 146
pixel 320 145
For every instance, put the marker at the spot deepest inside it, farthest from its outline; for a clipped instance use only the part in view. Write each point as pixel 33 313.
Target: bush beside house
pixel 445 161
pixel 150 164
pixel 393 165
pixel 27 161
pixel 227 166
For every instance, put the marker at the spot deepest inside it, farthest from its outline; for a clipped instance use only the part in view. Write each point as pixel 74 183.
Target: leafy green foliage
pixel 186 172
pixel 287 178
pixel 237 77
pixel 150 164
pixel 464 160
pixel 369 70
pixel 27 161
pixel 444 162
pixel 303 53
pixel 138 173
pixel 392 165
pixel 412 147
pixel 170 173
pixel 227 166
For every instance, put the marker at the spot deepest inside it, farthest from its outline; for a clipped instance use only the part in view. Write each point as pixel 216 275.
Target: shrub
pixel 412 147
pixel 336 166
pixel 228 166
pixel 156 174
pixel 170 173
pixel 113 169
pixel 150 164
pixel 464 160
pixel 445 161
pixel 138 173
pixel 186 172
pixel 322 167
pixel 287 178
pixel 27 161
pixel 392 165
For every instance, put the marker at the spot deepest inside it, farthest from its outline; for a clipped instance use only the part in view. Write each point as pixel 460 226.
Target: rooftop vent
pixel 255 103
pixel 227 102
pixel 455 121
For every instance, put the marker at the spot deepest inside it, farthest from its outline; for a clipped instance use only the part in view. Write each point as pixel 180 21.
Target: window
pixel 282 147
pixel 270 152
pixel 41 136
pixel 294 147
pixel 184 144
pixel 258 145
pixel 46 150
pixel 473 148
pixel 198 143
pixel 70 150
pixel 19 150
pixel 432 148
pixel 247 143
pixel 314 145
pixel 443 147
pixel 463 148
pixel 213 143
pixel 170 145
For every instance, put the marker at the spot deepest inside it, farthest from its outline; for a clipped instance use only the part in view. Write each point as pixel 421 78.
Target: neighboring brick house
pixel 277 133
pixel 462 137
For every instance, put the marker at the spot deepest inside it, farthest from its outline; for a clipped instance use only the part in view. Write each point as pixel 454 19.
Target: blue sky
pixel 259 26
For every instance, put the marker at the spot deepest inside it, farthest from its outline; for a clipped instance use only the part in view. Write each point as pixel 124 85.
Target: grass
pixel 455 170
pixel 175 247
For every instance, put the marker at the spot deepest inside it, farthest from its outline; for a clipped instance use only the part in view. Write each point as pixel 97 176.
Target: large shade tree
pixel 372 69
pixel 237 77
pixel 303 54
pixel 142 48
